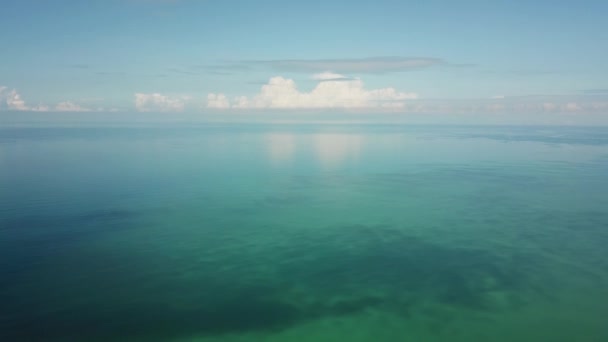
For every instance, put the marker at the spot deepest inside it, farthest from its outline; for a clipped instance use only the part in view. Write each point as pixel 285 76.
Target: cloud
pixel 219 101
pixel 283 93
pixel 41 108
pixel 159 103
pixel 599 105
pixel 548 106
pixel 11 100
pixel 15 102
pixel 183 71
pixel 572 107
pixel 354 65
pixel 511 105
pixel 596 91
pixel 68 106
pixel 588 103
pixel 329 76
pixel 370 65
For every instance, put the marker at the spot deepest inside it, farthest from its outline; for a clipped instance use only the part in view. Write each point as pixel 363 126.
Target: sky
pixel 365 56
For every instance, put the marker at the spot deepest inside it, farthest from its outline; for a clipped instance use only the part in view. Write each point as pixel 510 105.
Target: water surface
pixel 251 232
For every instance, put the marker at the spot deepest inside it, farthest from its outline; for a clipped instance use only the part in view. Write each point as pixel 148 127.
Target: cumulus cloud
pixel 219 101
pixel 283 93
pixel 159 103
pixel 15 102
pixel 12 100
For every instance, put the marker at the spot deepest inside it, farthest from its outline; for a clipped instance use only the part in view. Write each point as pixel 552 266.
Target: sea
pixel 220 231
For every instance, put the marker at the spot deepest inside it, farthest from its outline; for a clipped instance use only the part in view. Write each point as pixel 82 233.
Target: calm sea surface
pixel 234 232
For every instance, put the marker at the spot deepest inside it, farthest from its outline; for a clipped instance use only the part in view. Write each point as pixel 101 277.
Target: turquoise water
pixel 328 232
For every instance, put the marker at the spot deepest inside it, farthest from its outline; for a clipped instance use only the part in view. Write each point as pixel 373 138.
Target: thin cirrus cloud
pixel 332 91
pixel 357 65
pixel 370 65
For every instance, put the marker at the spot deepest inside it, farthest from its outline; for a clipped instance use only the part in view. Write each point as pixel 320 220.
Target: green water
pixel 303 233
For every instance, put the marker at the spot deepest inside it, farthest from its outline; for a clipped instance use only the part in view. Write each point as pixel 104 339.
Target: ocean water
pixel 303 232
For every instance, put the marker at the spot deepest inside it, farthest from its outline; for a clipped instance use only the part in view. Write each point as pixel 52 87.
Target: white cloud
pixel 283 93
pixel 548 106
pixel 571 107
pixel 328 76
pixel 12 100
pixel 68 106
pixel 599 105
pixel 159 103
pixel 15 102
pixel 219 101
pixel 495 107
pixel 41 108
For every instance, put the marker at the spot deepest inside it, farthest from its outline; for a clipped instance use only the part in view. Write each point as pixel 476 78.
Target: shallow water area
pixel 286 232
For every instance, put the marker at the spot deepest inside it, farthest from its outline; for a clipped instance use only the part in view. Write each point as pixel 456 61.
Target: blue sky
pixel 189 55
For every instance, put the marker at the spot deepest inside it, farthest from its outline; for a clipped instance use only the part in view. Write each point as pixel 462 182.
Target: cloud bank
pixel 510 105
pixel 333 91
